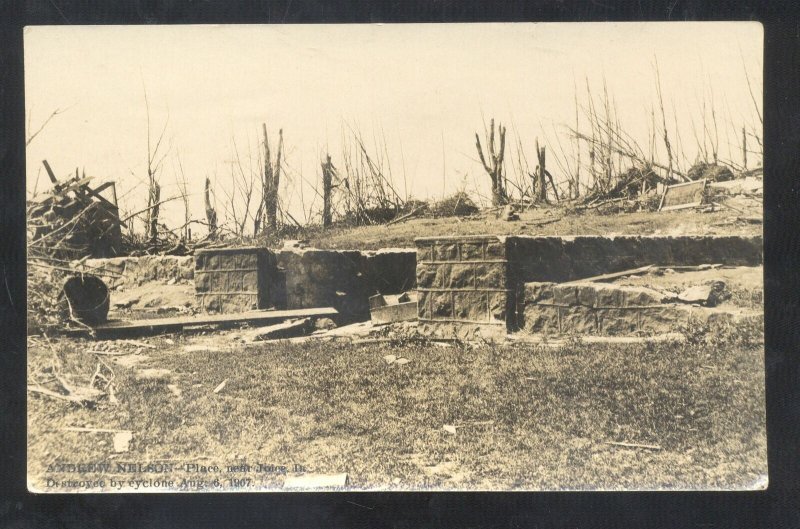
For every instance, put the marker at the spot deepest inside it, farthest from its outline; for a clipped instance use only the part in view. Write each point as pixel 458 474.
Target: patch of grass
pixel 526 417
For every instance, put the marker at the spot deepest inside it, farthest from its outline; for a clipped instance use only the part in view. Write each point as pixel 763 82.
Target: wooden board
pixel 394 313
pixel 154 325
pixel 680 196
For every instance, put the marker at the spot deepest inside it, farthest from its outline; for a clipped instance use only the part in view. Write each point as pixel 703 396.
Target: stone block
pixel 470 306
pixel 442 305
pixel 587 294
pixel 446 251
pixel 608 296
pixel 498 306
pixel 426 275
pixel 424 252
pixel 495 249
pixel 462 331
pixel 577 320
pixel 541 319
pixel 664 319
pixel 490 275
pixel 423 305
pixel 536 292
pixel 442 277
pixel 202 281
pixel 565 295
pixel 641 297
pixel 618 322
pixel 236 283
pixel 471 251
pixel 249 281
pixel 462 276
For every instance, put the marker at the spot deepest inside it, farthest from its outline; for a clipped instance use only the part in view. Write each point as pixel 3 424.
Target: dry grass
pixel 532 417
pixel 540 221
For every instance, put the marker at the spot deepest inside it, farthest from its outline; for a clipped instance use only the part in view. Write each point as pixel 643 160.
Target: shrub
pixel 458 204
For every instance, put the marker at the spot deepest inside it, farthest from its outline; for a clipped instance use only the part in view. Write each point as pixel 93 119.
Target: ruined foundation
pixel 476 286
pixel 463 287
pixel 234 279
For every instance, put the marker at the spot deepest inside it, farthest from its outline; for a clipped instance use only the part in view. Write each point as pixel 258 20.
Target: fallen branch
pixel 602 203
pixel 405 217
pixel 90 430
pixel 76 399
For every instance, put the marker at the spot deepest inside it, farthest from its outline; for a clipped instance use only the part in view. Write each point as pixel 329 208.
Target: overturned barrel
pixel 88 298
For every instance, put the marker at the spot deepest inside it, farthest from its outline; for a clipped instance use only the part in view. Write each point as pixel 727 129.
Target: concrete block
pixel 541 319
pixel 565 295
pixel 536 292
pixel 618 322
pixel 471 306
pixel 577 320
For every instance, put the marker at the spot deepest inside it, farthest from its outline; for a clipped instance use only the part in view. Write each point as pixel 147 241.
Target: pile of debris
pixel 74 220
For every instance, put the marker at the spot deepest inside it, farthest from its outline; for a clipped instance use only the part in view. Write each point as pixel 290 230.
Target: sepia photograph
pixel 395 257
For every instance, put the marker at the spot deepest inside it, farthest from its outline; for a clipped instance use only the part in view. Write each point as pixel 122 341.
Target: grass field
pixel 526 417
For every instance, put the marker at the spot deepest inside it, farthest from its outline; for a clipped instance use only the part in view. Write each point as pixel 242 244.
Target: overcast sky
pixel 426 89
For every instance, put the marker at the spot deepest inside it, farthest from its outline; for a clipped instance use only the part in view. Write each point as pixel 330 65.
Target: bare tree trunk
pixel 211 215
pixel 153 201
pixel 271 179
pixel 744 148
pixel 541 169
pixel 327 187
pixel 495 170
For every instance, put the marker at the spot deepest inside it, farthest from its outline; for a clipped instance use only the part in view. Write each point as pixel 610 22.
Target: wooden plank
pixel 394 313
pixel 615 275
pixel 178 323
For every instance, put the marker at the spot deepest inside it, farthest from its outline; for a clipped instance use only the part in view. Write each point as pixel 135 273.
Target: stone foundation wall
pixel 321 278
pixel 390 270
pixel 477 283
pixel 597 308
pixel 463 286
pixel 612 310
pixel 562 259
pixel 233 279
pixel 139 270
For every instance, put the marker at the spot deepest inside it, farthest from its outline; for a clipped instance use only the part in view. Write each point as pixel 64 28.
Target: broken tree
pixel 495 168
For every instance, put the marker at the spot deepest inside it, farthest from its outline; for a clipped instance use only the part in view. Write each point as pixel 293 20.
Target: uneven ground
pixel 526 417
pixel 551 221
